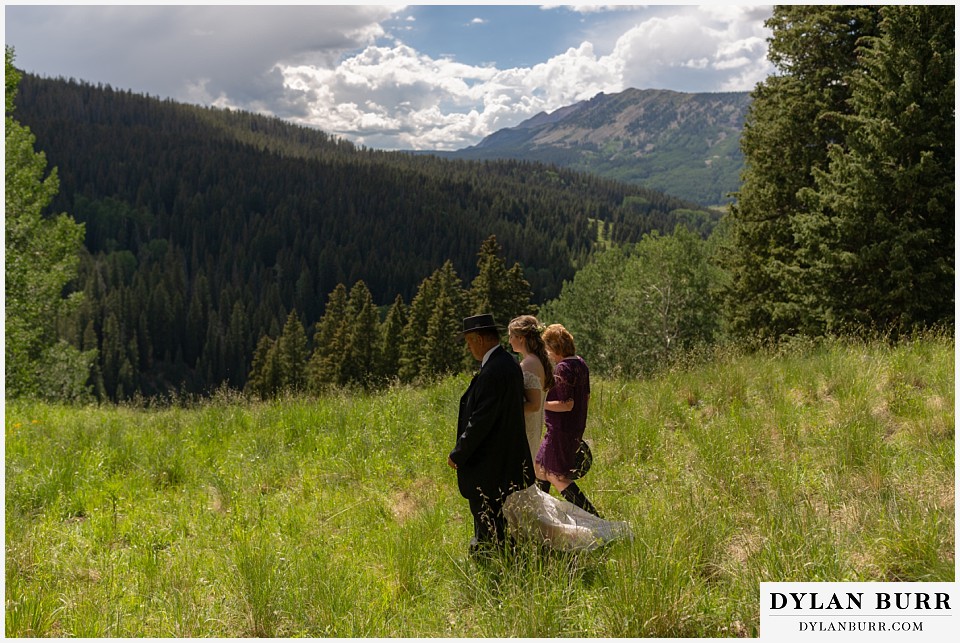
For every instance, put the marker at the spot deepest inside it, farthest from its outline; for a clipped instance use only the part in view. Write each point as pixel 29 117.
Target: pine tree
pixel 90 340
pixel 785 139
pixel 197 315
pixel 292 355
pixel 144 343
pixel 305 298
pixel 129 372
pixel 517 295
pixel 452 312
pixel 439 300
pixel 161 319
pixel 443 350
pixel 326 361
pixel 111 354
pixel 491 274
pixel 879 238
pixel 421 308
pixel 505 294
pixel 391 339
pixel 211 362
pixel 362 325
pixel 263 379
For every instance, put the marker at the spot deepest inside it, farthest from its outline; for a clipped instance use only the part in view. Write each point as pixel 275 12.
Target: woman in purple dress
pixel 565 414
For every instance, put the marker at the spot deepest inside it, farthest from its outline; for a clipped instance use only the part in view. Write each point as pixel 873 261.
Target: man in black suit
pixel 491 456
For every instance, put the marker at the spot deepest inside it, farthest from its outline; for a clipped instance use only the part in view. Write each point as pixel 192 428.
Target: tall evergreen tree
pixel 129 372
pixel 362 355
pixel 517 294
pixel 442 291
pixel 879 237
pixel 504 293
pixel 111 354
pixel 292 354
pixel 197 314
pixel 790 125
pixel 421 308
pixel 144 343
pixel 442 349
pixel 391 339
pixel 211 362
pixel 161 318
pixel 326 361
pixel 450 307
pixel 264 378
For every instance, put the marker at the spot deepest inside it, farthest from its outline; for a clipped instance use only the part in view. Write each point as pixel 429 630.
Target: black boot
pixel 573 495
pixel 543 485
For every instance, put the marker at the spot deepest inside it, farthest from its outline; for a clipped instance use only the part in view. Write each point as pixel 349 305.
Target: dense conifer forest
pixel 206 228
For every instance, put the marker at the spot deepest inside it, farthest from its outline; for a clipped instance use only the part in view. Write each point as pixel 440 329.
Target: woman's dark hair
pixel 530 329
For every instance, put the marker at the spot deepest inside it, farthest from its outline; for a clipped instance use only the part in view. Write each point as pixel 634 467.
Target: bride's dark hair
pixel 528 327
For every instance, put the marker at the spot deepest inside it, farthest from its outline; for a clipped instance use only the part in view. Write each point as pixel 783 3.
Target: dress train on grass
pixel 533 515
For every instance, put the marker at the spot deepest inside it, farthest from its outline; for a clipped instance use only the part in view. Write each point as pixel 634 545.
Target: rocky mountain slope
pixel 686 145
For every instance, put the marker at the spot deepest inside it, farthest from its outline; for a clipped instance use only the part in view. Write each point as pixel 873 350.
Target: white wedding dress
pixel 535 515
pixel 534 421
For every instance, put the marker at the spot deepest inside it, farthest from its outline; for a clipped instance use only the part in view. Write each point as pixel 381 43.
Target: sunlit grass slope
pixel 339 516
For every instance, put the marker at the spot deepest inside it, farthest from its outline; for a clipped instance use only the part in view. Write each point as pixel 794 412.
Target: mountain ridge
pixel 683 144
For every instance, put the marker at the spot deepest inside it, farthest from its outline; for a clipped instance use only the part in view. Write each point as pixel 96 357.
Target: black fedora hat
pixel 478 323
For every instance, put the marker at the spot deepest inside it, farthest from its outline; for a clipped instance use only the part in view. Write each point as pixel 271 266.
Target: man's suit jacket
pixel 492 454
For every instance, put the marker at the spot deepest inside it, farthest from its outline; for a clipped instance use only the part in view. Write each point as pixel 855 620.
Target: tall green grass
pixel 339 516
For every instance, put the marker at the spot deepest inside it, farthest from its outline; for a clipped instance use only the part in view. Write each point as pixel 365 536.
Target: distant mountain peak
pixel 684 144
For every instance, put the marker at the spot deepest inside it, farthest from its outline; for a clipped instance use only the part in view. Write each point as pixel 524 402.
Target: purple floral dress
pixel 565 429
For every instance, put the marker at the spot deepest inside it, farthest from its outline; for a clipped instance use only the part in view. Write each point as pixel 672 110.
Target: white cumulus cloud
pixel 398 98
pixel 346 70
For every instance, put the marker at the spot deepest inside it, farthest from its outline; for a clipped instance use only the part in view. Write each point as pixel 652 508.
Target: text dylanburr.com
pixel 858 611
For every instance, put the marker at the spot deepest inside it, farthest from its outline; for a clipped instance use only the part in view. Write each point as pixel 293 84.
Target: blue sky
pixel 391 76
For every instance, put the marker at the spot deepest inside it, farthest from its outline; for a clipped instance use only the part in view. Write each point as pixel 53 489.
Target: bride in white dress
pixel 524 332
pixel 533 514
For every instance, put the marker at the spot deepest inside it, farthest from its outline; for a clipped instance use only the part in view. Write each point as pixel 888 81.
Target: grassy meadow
pixel 339 516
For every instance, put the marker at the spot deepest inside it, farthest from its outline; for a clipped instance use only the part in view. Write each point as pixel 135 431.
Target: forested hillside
pixel 205 228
